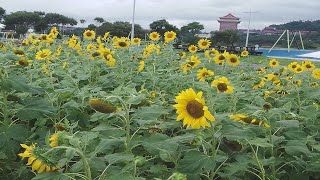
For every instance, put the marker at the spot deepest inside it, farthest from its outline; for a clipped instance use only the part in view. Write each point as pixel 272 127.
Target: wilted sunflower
pixel 23 62
pixel 193 49
pixel 202 73
pixel 43 54
pixel 36 160
pixel 316 73
pixel 223 85
pixel 122 43
pixel 97 53
pixel 89 34
pixel 308 65
pixel 192 110
pixel 136 41
pixel 244 119
pixel 141 66
pixel 244 53
pixel 193 62
pixel 169 36
pixel 154 36
pixel 18 52
pixel 102 106
pixel 233 60
pixel 204 43
pixel 274 63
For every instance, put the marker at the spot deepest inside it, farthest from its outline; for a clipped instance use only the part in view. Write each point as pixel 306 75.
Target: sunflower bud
pixel 140 161
pixel 178 176
pixel 102 106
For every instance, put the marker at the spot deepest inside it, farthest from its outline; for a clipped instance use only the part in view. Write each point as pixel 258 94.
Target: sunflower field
pixel 108 108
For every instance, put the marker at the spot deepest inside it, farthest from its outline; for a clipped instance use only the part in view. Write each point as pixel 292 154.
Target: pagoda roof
pixel 229 16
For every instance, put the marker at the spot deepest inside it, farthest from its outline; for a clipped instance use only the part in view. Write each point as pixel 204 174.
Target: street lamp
pixel 133 16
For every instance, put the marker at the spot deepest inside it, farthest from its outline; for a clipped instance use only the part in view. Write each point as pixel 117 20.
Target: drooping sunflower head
pixel 109 59
pixel 154 36
pixel 122 43
pixel 244 119
pixel 192 110
pixel 23 62
pixel 89 34
pixel 102 106
pixel 43 54
pixel 182 55
pixel 316 73
pixel 203 73
pixel 233 60
pixel 136 41
pixel 274 63
pixel 19 52
pixel 169 36
pixel 141 66
pixel 36 160
pixel 308 65
pixel 222 85
pixel 204 43
pixel 244 53
pixel 95 54
pixel 193 48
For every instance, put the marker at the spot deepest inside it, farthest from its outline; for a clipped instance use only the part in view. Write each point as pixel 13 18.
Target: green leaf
pixel 35 108
pixel 288 123
pixel 236 133
pixel 260 142
pixel 108 145
pixel 149 115
pixel 195 162
pixel 19 84
pixel 296 147
pixel 119 157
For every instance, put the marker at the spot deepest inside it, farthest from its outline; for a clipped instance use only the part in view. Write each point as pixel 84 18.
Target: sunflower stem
pixel 213 149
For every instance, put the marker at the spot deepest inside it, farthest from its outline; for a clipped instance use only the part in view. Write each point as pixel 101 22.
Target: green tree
pixel 162 26
pixel 2 13
pixel 228 37
pixel 82 21
pixel 92 27
pixel 21 20
pixel 189 31
pixel 99 20
pixel 120 29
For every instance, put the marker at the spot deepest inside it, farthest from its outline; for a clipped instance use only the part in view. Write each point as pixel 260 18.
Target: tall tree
pixel 228 37
pixel 2 13
pixel 21 20
pixel 82 21
pixel 192 28
pixel 120 28
pixel 99 20
pixel 162 26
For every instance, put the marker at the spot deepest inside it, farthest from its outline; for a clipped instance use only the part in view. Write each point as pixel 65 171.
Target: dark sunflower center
pixel 222 87
pixel 274 63
pixel 170 35
pixel 95 54
pixel 136 41
pixel 308 66
pixel 204 43
pixel 19 52
pixel 89 34
pixel 44 37
pixel 299 69
pixel 221 57
pixel 294 66
pixel 43 55
pixel 195 109
pixel 154 36
pixel 233 60
pixel 204 74
pixel 193 49
pixel 191 63
pixel 122 44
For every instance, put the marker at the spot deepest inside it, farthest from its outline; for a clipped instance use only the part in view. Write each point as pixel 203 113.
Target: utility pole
pixel 248 30
pixel 133 17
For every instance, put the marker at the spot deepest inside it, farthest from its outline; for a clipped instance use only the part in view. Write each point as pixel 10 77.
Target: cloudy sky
pixel 178 12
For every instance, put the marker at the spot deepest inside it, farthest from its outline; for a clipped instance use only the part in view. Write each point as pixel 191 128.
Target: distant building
pixel 229 22
pixel 203 35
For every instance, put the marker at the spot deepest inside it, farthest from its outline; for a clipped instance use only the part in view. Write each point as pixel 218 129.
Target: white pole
pixel 133 16
pixel 248 31
pixel 277 41
pixel 288 37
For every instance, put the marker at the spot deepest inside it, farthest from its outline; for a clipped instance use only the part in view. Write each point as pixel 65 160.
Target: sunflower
pixel 219 59
pixel 293 66
pixel 260 84
pixel 211 53
pixel 193 49
pixel 89 34
pixel 185 67
pixel 90 47
pixel 223 85
pixel 136 41
pixel 36 160
pixel 102 106
pixel 18 52
pixel 316 73
pixel 244 119
pixel 308 65
pixel 193 62
pixel 182 55
pixel 25 42
pixel 23 62
pixel 192 110
pixel 109 59
pixel 274 63
pixel 261 70
pixel 106 35
pixel 314 84
pixel 141 66
pixel 122 42
pixel 43 54
pixel 204 43
pixel 202 73
pixel 154 36
pixel 298 69
pixel 244 53
pixel 169 36
pixel 233 60
pixel 96 53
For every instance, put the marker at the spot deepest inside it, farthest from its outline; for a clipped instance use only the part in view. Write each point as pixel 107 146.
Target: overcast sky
pixel 177 12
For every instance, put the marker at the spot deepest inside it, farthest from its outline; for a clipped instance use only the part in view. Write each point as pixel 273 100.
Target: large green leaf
pixel 195 162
